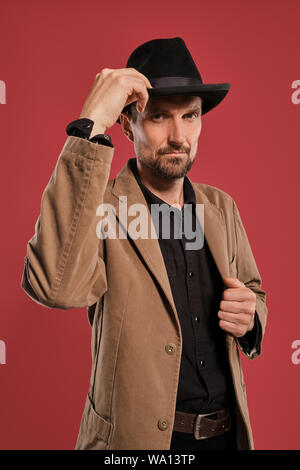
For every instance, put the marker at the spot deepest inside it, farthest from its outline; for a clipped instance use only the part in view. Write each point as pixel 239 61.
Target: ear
pixel 125 121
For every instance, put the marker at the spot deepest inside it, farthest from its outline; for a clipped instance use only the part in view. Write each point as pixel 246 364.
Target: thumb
pixel 233 282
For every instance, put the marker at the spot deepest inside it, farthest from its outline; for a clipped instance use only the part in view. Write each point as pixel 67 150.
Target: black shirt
pixel 205 382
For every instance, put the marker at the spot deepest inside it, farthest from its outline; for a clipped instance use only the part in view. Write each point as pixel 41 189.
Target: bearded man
pixel 169 317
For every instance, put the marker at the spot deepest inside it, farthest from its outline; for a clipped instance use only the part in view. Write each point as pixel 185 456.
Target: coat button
pixel 163 424
pixel 170 348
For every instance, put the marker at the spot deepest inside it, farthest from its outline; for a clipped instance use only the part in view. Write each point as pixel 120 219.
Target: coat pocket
pixel 96 425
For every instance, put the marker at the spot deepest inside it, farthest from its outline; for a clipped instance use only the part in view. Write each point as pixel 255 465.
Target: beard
pixel 168 167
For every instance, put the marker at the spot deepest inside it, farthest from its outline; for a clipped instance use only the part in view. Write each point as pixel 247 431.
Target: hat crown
pixel 167 57
pixel 171 70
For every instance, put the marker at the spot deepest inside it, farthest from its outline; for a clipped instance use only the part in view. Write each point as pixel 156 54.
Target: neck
pixel 170 191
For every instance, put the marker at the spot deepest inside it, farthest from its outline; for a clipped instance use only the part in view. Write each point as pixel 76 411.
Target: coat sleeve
pixel 64 266
pixel 248 273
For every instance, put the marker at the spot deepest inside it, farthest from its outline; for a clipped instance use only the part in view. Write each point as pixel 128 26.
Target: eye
pixel 159 116
pixel 195 114
pixel 156 116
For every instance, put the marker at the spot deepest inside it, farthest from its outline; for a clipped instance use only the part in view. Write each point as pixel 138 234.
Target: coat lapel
pixel 214 232
pixel 125 184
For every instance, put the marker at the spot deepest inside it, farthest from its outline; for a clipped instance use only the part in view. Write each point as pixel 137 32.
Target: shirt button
pixel 163 424
pixel 202 363
pixel 197 319
pixel 170 348
pixel 190 274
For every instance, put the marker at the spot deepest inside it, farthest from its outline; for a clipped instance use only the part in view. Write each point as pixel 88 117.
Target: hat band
pixel 167 82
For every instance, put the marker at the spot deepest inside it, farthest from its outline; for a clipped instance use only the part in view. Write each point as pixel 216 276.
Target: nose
pixel 176 132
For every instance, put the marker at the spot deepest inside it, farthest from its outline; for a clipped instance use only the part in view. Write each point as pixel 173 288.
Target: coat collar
pixel 125 184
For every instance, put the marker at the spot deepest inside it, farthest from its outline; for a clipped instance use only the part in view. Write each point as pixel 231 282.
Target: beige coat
pixel 124 285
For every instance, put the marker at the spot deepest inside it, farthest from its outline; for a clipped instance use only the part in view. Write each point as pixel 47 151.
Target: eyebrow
pixel 158 108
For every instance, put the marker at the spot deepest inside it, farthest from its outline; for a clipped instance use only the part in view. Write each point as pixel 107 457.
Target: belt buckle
pixel 197 423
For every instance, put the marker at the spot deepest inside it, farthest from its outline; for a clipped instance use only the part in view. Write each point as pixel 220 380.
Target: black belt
pixel 203 426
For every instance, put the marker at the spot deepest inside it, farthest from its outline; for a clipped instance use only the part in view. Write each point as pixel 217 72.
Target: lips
pixel 175 153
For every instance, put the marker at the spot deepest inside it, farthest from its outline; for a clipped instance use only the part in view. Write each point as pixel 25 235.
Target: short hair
pixel 131 110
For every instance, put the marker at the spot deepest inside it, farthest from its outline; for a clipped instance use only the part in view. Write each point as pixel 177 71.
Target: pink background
pixel 249 147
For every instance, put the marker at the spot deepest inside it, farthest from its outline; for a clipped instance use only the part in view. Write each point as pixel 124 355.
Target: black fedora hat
pixel 171 70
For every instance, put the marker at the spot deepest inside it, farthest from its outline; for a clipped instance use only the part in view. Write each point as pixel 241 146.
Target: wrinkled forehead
pixel 163 102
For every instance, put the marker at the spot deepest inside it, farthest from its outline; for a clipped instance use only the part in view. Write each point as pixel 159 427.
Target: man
pixel 167 319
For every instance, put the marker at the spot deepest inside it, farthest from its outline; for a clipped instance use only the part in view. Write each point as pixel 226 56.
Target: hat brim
pixel 212 94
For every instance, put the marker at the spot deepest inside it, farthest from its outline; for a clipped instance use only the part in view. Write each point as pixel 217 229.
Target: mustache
pixel 179 150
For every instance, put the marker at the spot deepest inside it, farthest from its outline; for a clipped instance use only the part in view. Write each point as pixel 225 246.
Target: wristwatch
pixel 83 127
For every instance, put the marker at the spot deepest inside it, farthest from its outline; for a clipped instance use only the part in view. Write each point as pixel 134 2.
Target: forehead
pixel 168 102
